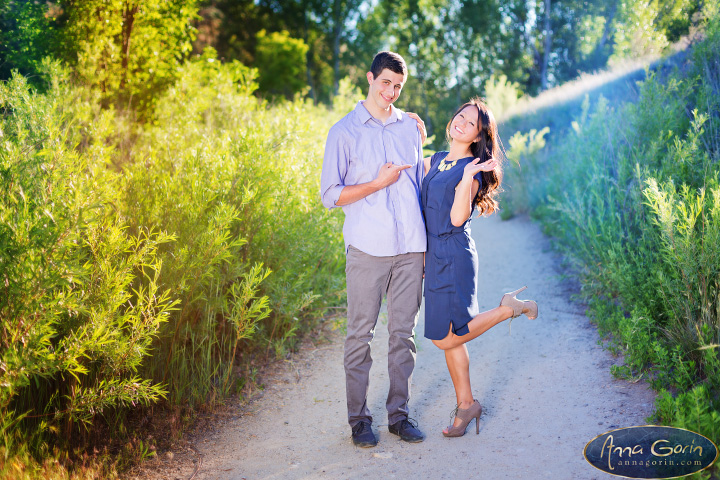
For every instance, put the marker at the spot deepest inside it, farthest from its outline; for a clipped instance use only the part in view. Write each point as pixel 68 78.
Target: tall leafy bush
pixel 631 193
pixel 81 300
pixel 142 261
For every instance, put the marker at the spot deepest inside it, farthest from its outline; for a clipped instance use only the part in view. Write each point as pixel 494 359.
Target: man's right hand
pixel 389 174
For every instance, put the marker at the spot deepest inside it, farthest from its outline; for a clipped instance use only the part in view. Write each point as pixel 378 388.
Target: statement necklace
pixel 445 165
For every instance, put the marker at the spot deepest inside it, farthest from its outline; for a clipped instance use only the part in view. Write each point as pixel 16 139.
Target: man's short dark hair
pixel 390 60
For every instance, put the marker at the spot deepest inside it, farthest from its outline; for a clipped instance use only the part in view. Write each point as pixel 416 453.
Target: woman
pixel 457 182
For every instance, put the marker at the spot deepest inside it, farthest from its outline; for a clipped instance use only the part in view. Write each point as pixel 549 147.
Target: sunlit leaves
pixel 128 50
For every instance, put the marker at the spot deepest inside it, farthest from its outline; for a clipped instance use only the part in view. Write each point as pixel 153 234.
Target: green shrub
pixel 523 149
pixel 689 223
pixel 696 410
pixel 81 300
pixel 235 182
pixel 144 261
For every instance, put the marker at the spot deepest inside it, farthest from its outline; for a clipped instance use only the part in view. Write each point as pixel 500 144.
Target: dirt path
pixel 545 388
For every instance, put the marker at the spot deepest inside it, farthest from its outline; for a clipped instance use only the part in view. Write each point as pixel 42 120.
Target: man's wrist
pixel 375 185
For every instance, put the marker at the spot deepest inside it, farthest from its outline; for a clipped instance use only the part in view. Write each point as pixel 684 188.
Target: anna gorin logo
pixel 651 451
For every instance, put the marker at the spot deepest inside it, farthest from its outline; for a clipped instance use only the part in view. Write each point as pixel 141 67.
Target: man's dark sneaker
pixel 407 430
pixel 363 436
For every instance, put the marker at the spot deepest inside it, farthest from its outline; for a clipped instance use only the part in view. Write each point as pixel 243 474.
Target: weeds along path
pixel 545 388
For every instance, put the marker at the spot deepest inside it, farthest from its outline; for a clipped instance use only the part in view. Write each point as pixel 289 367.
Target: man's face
pixel 385 88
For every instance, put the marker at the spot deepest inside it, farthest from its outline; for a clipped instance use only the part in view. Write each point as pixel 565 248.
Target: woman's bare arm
pixel 467 189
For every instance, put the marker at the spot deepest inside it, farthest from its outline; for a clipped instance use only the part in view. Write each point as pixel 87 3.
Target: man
pixel 373 169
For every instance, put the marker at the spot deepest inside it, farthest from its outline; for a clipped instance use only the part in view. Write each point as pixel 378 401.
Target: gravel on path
pixel 545 387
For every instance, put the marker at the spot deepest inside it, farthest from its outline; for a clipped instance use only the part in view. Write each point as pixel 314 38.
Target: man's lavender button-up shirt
pixel 388 222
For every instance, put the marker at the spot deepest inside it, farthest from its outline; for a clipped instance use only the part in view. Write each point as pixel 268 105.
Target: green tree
pixel 281 62
pixel 452 49
pixel 675 17
pixel 28 33
pixel 129 49
pixel 342 11
pixel 635 31
pixel 326 27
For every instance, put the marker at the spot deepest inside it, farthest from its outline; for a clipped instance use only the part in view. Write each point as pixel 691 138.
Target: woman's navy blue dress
pixel 451 264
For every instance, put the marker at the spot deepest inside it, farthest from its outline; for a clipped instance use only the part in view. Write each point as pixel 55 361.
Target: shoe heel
pixel 533 309
pixel 466 416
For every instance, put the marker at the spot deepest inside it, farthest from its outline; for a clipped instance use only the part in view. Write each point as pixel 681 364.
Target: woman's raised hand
pixel 420 126
pixel 474 167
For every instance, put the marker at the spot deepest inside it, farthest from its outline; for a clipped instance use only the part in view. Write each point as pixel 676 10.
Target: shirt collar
pixel 395 114
pixel 364 115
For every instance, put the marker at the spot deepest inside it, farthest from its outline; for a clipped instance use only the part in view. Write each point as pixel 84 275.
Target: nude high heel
pixel 465 415
pixel 528 307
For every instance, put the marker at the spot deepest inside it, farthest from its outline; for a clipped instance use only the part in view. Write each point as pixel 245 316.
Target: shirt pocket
pixel 358 172
pixel 401 147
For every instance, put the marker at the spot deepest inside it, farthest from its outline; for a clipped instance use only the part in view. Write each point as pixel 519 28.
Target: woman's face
pixel 465 127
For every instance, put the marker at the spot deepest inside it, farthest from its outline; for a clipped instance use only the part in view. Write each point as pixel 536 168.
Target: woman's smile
pixel 465 125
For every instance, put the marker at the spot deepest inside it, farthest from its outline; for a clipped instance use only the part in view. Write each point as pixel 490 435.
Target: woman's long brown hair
pixel 487 145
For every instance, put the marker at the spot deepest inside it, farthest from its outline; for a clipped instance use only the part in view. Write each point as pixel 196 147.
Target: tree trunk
pixel 428 121
pixel 337 31
pixel 421 74
pixel 128 21
pixel 610 15
pixel 458 96
pixel 308 55
pixel 546 53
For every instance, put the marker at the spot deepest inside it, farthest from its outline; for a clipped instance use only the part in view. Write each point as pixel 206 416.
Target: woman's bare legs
pixel 480 324
pixel 456 353
pixel 458 358
pixel 458 362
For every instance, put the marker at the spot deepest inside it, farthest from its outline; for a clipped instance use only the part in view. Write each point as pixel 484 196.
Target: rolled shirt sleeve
pixel 335 165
